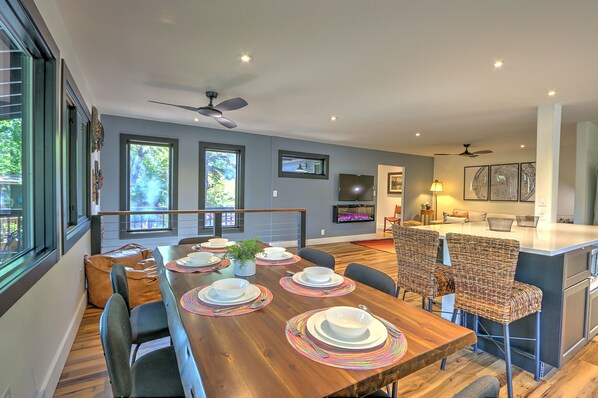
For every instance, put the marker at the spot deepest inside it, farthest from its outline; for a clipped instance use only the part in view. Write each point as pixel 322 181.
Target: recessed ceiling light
pixel 498 64
pixel 551 93
pixel 417 134
pixel 246 58
pixel 522 146
pixel 196 119
pixel 333 118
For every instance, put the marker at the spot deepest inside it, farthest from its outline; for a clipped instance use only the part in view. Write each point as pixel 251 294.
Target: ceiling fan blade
pixel 231 104
pixel 207 111
pixel 188 108
pixel 226 122
pixel 482 152
pixel 444 154
pixel 472 155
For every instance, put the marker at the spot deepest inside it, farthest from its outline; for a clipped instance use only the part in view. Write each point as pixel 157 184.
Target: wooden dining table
pixel 249 355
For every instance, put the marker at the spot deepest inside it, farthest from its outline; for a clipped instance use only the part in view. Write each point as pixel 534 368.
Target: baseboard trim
pixel 322 241
pixel 51 380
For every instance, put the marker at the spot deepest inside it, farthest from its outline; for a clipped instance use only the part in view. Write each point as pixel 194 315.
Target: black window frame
pixel 325 159
pixel 73 226
pixel 240 185
pixel 125 139
pixel 24 22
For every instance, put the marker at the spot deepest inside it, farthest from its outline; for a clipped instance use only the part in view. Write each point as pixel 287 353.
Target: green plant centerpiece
pixel 243 256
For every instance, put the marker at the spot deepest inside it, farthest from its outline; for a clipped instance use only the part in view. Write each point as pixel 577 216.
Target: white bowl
pixel 230 288
pixel 200 258
pixel 318 274
pixel 274 252
pixel 218 242
pixel 348 322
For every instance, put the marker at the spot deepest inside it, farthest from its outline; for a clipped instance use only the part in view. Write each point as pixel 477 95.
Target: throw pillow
pixel 454 220
pixel 461 214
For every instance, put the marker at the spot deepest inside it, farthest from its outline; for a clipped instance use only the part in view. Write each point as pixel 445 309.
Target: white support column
pixel 548 141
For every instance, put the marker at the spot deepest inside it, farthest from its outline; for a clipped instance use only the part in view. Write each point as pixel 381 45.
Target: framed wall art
pixel 395 183
pixel 527 182
pixel 504 182
pixel 475 183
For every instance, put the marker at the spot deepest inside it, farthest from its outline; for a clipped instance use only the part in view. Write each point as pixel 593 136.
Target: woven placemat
pixel 384 355
pixel 290 285
pixel 174 267
pixel 292 260
pixel 190 302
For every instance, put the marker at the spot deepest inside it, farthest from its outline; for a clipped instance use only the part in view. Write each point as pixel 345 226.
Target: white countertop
pixel 548 239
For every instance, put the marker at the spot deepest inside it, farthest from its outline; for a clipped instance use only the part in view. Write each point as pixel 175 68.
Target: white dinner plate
pixel 186 263
pixel 209 245
pixel 318 327
pixel 208 295
pixel 301 279
pixel 264 257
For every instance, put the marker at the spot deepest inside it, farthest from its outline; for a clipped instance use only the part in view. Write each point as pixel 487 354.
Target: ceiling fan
pixel 214 111
pixel 466 152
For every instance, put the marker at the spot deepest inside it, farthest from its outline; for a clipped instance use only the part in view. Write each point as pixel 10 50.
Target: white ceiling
pixel 386 68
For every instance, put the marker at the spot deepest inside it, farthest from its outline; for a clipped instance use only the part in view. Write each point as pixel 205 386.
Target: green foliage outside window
pixel 149 176
pixel 221 184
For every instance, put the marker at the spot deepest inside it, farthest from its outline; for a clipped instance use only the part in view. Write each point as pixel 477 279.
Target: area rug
pixel 385 245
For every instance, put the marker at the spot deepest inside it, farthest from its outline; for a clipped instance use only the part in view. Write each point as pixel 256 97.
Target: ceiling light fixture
pixel 333 118
pixel 551 93
pixel 498 64
pixel 417 134
pixel 246 58
pixel 522 146
pixel 196 119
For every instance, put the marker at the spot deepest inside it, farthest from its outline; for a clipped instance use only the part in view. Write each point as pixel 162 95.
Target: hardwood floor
pixel 85 374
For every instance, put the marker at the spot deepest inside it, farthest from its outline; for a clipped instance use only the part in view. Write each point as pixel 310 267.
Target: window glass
pixel 221 183
pixel 16 221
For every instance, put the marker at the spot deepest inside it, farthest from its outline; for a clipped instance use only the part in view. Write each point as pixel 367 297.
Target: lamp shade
pixel 436 186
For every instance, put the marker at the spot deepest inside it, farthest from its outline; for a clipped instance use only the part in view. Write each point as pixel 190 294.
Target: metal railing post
pixel 217 224
pixel 301 228
pixel 96 234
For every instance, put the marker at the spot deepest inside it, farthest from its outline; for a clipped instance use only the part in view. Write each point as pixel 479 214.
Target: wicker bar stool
pixel 485 286
pixel 418 270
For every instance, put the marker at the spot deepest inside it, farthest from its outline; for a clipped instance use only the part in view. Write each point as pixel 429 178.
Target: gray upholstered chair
pixel 194 239
pixel 317 257
pixel 371 277
pixel 148 321
pixel 483 387
pixel 153 375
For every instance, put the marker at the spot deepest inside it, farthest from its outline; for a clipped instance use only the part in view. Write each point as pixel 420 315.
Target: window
pixel 75 160
pixel 149 184
pixel 302 165
pixel 221 183
pixel 28 212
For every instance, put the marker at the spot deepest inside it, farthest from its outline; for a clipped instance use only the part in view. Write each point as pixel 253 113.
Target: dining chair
pixel 485 286
pixel 155 374
pixel 317 257
pixel 418 271
pixel 195 239
pixel 371 277
pixel 395 219
pixel 147 321
pixel 482 387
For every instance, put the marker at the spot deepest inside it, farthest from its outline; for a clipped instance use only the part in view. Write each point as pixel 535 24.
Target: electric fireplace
pixel 342 214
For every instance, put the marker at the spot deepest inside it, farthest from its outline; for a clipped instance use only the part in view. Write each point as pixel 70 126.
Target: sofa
pixel 142 275
pixel 462 215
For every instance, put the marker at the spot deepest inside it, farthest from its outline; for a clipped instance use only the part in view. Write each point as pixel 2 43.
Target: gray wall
pixel 261 175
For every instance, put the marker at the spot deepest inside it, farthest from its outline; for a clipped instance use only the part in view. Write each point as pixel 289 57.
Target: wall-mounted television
pixel 355 187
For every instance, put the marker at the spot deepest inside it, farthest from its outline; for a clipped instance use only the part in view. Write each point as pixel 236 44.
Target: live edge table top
pixel 249 355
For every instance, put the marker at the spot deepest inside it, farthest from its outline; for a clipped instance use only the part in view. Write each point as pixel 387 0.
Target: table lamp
pixel 435 188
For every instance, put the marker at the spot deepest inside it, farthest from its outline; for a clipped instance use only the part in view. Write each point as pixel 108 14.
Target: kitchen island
pixel 556 258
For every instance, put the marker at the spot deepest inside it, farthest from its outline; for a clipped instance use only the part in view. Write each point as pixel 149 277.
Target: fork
pixel 254 306
pixel 293 329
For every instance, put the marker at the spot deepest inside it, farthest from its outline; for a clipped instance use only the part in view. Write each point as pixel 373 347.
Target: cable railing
pixel 151 228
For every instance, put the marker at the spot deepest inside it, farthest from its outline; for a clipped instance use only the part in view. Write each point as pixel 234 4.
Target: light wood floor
pixel 85 375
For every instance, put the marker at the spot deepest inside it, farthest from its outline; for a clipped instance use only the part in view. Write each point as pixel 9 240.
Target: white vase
pixel 245 268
